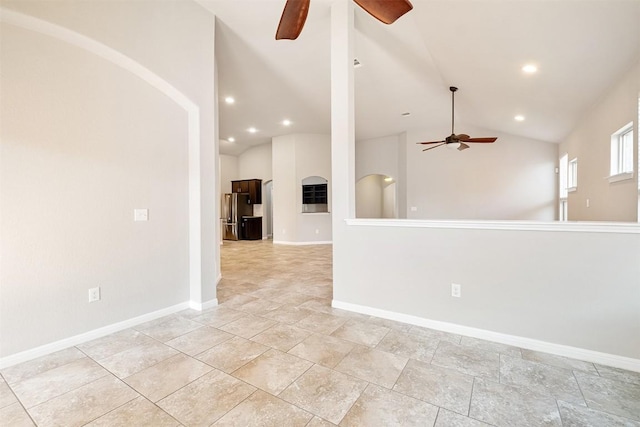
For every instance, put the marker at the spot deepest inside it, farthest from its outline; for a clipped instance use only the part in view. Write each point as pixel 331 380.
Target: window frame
pixel 572 175
pixel 563 167
pixel 621 164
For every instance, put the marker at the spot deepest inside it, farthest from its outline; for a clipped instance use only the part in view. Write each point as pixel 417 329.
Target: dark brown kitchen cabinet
pixel 251 228
pixel 240 186
pixel 255 191
pixel 252 187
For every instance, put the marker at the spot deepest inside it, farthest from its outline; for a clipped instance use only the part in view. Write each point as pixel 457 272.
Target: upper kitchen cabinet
pixel 253 187
pixel 255 191
pixel 240 186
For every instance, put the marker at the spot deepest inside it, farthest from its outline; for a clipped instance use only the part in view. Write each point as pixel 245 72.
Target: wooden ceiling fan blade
pixel 462 146
pixel 435 146
pixel 387 11
pixel 292 20
pixel 463 137
pixel 490 139
pixel 430 142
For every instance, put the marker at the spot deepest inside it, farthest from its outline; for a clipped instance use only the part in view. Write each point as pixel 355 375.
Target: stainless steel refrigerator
pixel 234 207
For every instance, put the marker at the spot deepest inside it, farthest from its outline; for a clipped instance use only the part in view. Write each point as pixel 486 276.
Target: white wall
pixel 295 157
pixel 378 156
pixel 369 197
pixel 228 172
pixel 511 179
pixel 389 200
pixel 590 142
pixel 84 142
pixel 284 189
pixel 255 163
pixel 573 288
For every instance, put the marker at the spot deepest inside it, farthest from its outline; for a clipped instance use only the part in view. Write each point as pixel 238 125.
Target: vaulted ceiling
pixel 581 48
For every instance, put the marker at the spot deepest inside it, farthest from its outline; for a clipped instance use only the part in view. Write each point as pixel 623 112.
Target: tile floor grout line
pixel 435 421
pixel 163 411
pixel 573 372
pixel 77 388
pixel 47 370
pixel 473 385
pixel 237 404
pixel 400 374
pixel 369 384
pixel 295 404
pixel 116 408
pixel 19 402
pixel 559 412
pixel 597 370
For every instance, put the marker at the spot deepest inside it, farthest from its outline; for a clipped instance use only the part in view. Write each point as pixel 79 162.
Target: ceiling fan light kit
pixel 454 141
pixel 295 13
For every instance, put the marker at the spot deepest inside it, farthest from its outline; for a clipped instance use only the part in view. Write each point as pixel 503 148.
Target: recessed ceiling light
pixel 388 179
pixel 286 122
pixel 229 100
pixel 252 130
pixel 407 114
pixel 231 139
pixel 530 68
pixel 519 118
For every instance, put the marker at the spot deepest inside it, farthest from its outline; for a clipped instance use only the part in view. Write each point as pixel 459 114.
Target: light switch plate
pixel 94 294
pixel 141 214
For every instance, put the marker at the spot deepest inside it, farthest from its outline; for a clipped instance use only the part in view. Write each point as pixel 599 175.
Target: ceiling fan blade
pixel 386 11
pixel 463 137
pixel 430 142
pixel 462 146
pixel 435 146
pixel 292 20
pixel 490 139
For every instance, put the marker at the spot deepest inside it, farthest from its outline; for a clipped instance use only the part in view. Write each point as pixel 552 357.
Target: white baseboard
pixel 522 342
pixel 43 350
pixel 283 242
pixel 204 305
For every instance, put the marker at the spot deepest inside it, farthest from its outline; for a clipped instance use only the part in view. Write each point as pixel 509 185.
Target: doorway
pixel 268 205
pixel 376 197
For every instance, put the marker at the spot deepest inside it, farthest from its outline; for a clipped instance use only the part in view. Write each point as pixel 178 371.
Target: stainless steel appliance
pixel 234 207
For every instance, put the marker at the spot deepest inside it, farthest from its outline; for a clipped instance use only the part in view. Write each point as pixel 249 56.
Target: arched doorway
pixel 376 197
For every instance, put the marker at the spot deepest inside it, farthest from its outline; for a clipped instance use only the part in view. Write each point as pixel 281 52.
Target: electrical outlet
pixel 456 290
pixel 94 294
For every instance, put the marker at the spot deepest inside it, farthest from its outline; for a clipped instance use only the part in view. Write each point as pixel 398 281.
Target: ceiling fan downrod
pixel 453 90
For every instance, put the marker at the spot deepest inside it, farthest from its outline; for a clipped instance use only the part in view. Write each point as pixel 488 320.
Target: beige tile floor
pixel 274 353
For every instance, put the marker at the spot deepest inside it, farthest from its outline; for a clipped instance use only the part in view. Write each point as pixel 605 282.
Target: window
pixel 562 190
pixel 564 166
pixel 622 154
pixel 572 175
